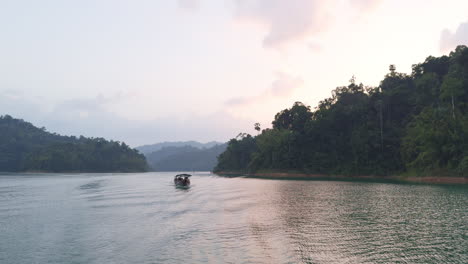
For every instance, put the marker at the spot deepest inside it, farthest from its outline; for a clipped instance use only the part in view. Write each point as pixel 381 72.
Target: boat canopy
pixel 183 175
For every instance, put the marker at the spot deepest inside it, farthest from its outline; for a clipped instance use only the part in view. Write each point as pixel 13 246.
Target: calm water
pixel 143 218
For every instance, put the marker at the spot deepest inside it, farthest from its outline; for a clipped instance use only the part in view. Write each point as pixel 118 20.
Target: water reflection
pixel 182 188
pixel 92 186
pixel 144 218
pixel 336 222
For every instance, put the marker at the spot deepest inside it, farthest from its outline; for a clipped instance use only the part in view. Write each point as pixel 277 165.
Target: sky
pixel 144 71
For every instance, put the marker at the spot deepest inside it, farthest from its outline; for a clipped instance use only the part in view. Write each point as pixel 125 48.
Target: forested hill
pixel 147 149
pixel 185 158
pixel 24 147
pixel 413 124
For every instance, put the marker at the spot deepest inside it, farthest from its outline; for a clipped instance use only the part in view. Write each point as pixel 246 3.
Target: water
pixel 143 218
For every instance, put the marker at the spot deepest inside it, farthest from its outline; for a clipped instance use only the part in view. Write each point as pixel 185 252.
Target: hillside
pixel 411 124
pixel 184 158
pixel 146 149
pixel 24 147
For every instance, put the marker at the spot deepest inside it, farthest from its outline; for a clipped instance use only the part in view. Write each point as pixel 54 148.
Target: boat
pixel 182 180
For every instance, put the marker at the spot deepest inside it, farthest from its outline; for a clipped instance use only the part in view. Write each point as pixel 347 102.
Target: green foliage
pixel 24 147
pixel 257 127
pixel 293 118
pixel 463 167
pixel 435 141
pixel 238 154
pixel 273 147
pixel 416 122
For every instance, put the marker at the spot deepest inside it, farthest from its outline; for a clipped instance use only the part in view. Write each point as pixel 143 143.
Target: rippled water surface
pixel 143 218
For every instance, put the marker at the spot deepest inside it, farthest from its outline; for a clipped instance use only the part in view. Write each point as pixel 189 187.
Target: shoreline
pixel 307 176
pixel 67 172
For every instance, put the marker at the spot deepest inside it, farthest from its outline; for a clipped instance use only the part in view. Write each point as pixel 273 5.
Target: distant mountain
pixel 185 158
pixel 24 147
pixel 146 149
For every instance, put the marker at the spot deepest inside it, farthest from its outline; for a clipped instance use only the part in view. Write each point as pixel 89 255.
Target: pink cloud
pixel 295 20
pixel 284 20
pixel 283 86
pixel 365 5
pixel 449 40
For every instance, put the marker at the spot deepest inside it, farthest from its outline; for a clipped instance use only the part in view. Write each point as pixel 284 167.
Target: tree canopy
pixel 24 147
pixel 411 123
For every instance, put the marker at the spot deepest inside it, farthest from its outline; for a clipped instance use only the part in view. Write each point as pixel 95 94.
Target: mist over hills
pixel 146 149
pixel 179 157
pixel 24 147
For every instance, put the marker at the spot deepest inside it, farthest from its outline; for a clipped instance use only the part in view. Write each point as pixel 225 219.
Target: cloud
pixel 365 5
pixel 14 103
pixel 282 87
pixel 285 20
pixel 295 20
pixel 240 100
pixel 87 107
pixel 315 47
pixel 189 4
pixel 219 126
pixel 90 117
pixel 10 94
pixel 449 40
pixel 285 85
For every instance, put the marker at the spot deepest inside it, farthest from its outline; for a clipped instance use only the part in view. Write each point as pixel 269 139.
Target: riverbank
pixel 306 176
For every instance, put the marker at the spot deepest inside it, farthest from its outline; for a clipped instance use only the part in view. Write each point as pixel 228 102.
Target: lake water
pixel 143 218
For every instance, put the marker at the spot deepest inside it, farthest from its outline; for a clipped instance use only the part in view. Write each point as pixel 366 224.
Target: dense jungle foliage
pixel 414 124
pixel 24 147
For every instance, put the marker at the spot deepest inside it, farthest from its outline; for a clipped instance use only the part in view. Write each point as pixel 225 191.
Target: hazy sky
pixel 145 71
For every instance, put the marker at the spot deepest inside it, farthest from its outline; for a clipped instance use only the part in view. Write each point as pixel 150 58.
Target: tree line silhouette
pixel 24 147
pixel 414 124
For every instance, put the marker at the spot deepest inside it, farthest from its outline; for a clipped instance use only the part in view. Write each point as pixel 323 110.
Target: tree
pixel 237 155
pixel 294 118
pixel 416 123
pixel 24 147
pixel 257 127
